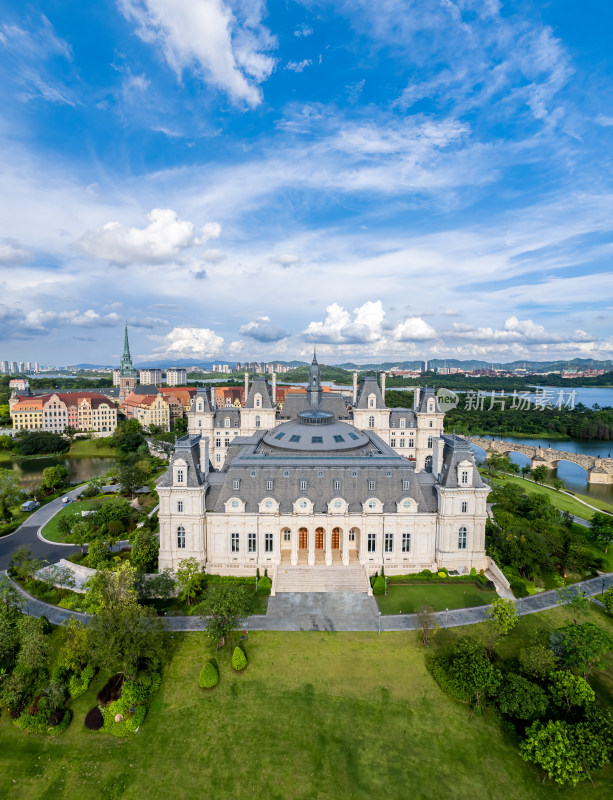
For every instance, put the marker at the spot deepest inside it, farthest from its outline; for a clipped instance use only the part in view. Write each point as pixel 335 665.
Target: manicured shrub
pixel 94 719
pixel 79 683
pixel 473 572
pixel 379 585
pixel 239 659
pixel 209 676
pixel 264 585
pixel 442 574
pixel 64 716
pixel 111 690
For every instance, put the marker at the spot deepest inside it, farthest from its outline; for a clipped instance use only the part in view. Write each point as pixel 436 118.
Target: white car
pixel 66 500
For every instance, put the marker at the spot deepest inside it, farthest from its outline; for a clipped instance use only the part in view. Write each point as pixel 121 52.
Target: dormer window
pixel 464 477
pixel 372 401
pixel 372 484
pixel 269 485
pixel 180 476
pixel 258 401
pixel 236 484
pixel 403 422
pixel 226 422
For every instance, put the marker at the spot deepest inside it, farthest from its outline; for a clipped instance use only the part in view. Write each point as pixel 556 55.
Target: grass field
pixel 74 509
pixel 332 716
pixel 559 500
pixel 88 447
pixel 407 598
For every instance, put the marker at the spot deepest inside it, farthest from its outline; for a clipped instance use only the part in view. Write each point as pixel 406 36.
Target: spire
pixel 126 366
pixel 126 345
pixel 314 386
pixel 314 361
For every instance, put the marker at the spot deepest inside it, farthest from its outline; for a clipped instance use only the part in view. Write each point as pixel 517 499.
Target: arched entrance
pixel 336 538
pixel 303 538
pixel 319 538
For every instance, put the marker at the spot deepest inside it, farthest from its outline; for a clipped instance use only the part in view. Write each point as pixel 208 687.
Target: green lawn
pixel 407 598
pixel 315 715
pixel 559 500
pixel 89 447
pixel 74 509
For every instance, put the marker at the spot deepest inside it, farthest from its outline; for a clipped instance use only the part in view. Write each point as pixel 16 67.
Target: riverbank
pixel 575 505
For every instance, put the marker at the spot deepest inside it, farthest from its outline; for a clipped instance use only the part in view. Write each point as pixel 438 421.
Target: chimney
pixel 246 386
pixel 383 386
pixel 213 397
pixel 437 456
pixel 416 398
pixel 204 455
pixel 355 388
pixel 274 388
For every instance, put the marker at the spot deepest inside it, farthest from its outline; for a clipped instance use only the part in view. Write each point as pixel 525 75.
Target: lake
pixel 30 471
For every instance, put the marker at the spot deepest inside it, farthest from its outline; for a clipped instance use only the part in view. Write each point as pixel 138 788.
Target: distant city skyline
pixel 395 181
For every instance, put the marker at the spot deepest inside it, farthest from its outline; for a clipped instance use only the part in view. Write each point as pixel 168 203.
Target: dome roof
pixel 316 432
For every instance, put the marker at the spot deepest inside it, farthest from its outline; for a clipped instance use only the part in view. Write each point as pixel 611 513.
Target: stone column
pixel 355 387
pixel 311 547
pixel 294 557
pixel 345 546
pixel 328 546
pixel 274 388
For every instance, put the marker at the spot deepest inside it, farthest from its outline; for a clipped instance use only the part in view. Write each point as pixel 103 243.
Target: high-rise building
pixel 127 373
pixel 28 366
pixel 4 367
pixel 175 376
pixel 22 367
pixel 36 366
pixel 150 377
pixel 13 367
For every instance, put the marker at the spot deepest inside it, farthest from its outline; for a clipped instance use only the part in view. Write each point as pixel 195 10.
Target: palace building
pixel 324 482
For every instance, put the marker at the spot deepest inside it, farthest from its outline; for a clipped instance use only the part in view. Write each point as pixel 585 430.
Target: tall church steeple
pixel 127 373
pixel 314 387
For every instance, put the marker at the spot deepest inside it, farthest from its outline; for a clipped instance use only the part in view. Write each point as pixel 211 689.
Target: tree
pixel 73 655
pixel 224 604
pixel 607 600
pixel 10 493
pixel 123 638
pixel 551 747
pixel 180 426
pixel 80 532
pixel 145 549
pixel 471 668
pixel 97 553
pixel 188 580
pixel 239 659
pixel 9 640
pixel 504 615
pixel 33 644
pixel 526 470
pixel 568 690
pixel 71 432
pixel 128 436
pixel 23 564
pixel 574 601
pixel 426 624
pixel 131 478
pixel 581 647
pixel 112 590
pixel 55 478
pixel 54 575
pixel 557 484
pixel 537 661
pixel 520 698
pixel 601 530
pixel 10 599
pixel 161 585
pixel 540 473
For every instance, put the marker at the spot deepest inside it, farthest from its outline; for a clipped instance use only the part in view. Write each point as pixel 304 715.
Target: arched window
pixel 371 422
pixel 181 537
pixel 462 538
pixel 257 422
pixel 428 464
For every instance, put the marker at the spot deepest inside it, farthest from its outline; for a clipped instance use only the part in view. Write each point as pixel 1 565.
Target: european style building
pixel 322 481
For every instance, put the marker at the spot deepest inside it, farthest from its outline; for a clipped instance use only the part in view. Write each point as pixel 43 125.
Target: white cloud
pixel 413 329
pixel 303 30
pixel 340 328
pixel 11 252
pixel 189 343
pixel 298 66
pixel 515 330
pixel 285 259
pixel 38 320
pixel 211 230
pixel 226 44
pixel 213 256
pixel 263 330
pixel 163 240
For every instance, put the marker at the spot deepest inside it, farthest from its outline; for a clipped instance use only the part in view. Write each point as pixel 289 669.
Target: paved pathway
pixel 336 611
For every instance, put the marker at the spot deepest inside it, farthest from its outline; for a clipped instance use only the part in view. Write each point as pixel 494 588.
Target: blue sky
pixel 239 179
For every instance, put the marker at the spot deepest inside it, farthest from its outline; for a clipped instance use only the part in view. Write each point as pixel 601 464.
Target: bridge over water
pixel 599 470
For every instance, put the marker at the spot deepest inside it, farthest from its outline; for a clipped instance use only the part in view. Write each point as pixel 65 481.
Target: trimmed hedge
pixel 264 585
pixel 378 586
pixel 429 577
pixel 438 668
pixel 239 659
pixel 209 676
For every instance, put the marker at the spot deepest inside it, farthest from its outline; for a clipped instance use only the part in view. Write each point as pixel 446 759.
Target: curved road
pixel 27 533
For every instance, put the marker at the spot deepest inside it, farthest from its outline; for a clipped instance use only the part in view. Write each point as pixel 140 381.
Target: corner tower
pixel 127 373
pixel 314 387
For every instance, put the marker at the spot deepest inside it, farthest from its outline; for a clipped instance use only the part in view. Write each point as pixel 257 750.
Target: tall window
pixel 226 422
pixel 403 422
pixel 462 538
pixel 406 485
pixel 406 542
pixel 257 422
pixel 235 542
pixel 268 542
pixel 180 476
pixel 411 442
pixel 389 542
pixel 236 484
pixel 337 486
pixel 303 486
pixel 464 507
pixel 464 477
pixel 372 484
pixel 372 542
pixel 393 441
pixel 429 441
pixel 431 424
pixel 287 535
pixel 179 506
pixel 269 485
pixel 180 537
pixel 371 422
pixel 217 442
pixel 251 542
pixel 402 443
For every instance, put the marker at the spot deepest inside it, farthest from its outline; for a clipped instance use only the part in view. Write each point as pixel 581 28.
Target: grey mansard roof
pixel 456 449
pixel 428 393
pixel 396 414
pixel 368 385
pixel 187 449
pixel 329 401
pixel 203 395
pixel 260 386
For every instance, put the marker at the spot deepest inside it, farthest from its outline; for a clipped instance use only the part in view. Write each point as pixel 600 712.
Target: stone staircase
pixel 320 578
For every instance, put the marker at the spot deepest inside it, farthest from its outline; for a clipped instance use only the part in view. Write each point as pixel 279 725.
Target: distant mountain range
pixel 576 363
